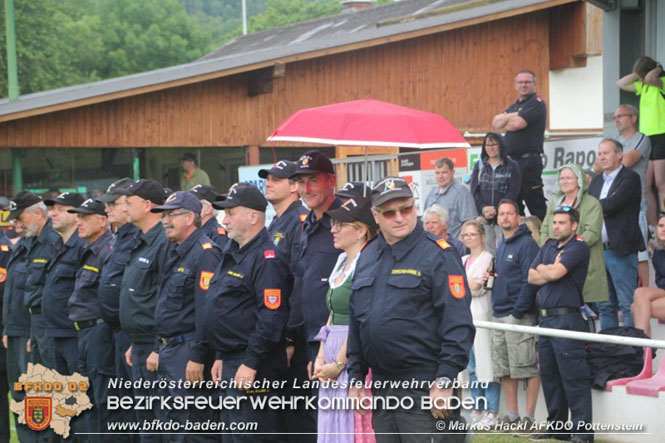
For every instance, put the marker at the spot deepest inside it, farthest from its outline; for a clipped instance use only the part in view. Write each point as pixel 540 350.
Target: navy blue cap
pixel 90 206
pixel 356 209
pixel 147 189
pixel 204 192
pixel 281 169
pixel 390 188
pixel 113 191
pixel 243 194
pixel 354 189
pixel 21 201
pixel 73 199
pixel 180 200
pixel 313 162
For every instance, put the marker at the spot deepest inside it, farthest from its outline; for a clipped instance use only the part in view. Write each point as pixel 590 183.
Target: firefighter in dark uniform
pixel 32 219
pixel 560 270
pixel 123 242
pixel 246 309
pixel 410 317
pixel 140 288
pixel 16 319
pixel 95 338
pixel 284 230
pixel 191 260
pixel 353 190
pixel 210 226
pixel 5 253
pixel 60 280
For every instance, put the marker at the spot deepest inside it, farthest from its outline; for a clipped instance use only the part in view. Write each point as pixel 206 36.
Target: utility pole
pixel 12 71
pixel 244 17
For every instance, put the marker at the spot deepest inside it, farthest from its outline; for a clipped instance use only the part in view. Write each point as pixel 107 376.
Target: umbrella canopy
pixel 369 122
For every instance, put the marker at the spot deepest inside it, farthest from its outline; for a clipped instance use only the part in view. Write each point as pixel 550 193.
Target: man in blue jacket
pixel 514 353
pixel 494 178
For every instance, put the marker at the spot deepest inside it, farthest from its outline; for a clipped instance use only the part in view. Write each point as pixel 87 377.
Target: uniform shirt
pixel 40 253
pixel 285 229
pixel 214 231
pixel 314 258
pixel 122 244
pixel 567 291
pixel 60 282
pixel 410 310
pixel 5 253
pixel 530 139
pixel 457 199
pixel 188 269
pixel 140 285
pixel 15 314
pixel 642 144
pixel 245 309
pixel 84 301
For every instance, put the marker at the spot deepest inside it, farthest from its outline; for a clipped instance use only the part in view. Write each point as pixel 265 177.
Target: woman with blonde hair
pixel 480 358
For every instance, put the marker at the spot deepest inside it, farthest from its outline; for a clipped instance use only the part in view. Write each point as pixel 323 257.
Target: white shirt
pixel 608 179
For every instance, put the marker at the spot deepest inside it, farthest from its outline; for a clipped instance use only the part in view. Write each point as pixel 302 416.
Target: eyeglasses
pixel 336 224
pixel 621 115
pixel 174 214
pixel 391 213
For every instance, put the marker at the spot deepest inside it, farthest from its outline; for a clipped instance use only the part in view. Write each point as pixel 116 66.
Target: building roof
pixel 313 38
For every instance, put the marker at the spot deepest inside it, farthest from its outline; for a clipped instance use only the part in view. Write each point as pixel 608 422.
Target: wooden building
pixel 455 58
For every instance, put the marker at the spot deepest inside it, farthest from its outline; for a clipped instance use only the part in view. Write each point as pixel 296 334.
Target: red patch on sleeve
pixel 269 254
pixel 221 231
pixel 3 275
pixel 207 245
pixel 456 286
pixel 303 217
pixel 204 281
pixel 4 248
pixel 272 298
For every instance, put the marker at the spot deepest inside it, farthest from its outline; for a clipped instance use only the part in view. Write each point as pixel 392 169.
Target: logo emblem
pixel 204 281
pixel 304 161
pixel 12 205
pixel 3 274
pixel 171 198
pixel 269 254
pixel 456 286
pixel 272 298
pixel 38 412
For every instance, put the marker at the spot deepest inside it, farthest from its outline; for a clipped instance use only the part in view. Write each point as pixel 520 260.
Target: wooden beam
pixel 284 60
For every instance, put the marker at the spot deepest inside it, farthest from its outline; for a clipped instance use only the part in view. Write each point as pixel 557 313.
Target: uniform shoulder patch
pixel 3 275
pixel 579 238
pixel 272 298
pixel 221 231
pixel 206 245
pixel 269 254
pixel 443 244
pixel 303 217
pixel 4 248
pixel 539 98
pixel 204 281
pixel 456 286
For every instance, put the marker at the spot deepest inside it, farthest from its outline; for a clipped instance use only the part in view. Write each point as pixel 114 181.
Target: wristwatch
pixel 339 365
pixel 444 382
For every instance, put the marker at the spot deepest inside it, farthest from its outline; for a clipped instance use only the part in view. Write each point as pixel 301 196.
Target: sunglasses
pixel 391 213
pixel 563 208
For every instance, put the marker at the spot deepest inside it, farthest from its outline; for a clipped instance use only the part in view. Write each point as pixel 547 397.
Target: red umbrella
pixel 369 122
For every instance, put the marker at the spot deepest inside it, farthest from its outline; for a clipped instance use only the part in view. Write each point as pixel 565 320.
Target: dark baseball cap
pixel 246 195
pixel 354 189
pixel 204 192
pixel 113 191
pixel 21 201
pixel 180 200
pixel 281 169
pixel 390 188
pixel 90 206
pixel 357 209
pixel 313 162
pixel 73 199
pixel 147 189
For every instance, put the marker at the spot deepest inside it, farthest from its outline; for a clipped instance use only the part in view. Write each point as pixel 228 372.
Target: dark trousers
pixel 266 418
pixel 531 192
pixel 564 373
pixel 123 372
pixel 4 404
pixel 96 356
pixel 299 425
pixel 172 364
pixel 65 355
pixel 140 352
pixel 17 364
pixel 414 425
pixel 41 345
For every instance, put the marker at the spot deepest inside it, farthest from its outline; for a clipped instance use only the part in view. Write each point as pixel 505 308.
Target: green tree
pixel 283 12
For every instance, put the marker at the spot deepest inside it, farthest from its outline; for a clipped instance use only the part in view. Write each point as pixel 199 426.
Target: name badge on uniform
pixel 510 257
pixel 147 261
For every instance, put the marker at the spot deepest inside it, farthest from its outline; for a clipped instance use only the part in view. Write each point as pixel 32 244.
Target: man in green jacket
pixel 192 175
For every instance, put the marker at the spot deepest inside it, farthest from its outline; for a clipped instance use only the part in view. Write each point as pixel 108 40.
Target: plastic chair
pixel 647 371
pixel 649 386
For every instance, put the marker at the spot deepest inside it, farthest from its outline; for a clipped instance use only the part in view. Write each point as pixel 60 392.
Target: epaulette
pixel 443 244
pixel 221 231
pixel 539 98
pixel 206 245
pixel 4 248
pixel 303 217
pixel 579 238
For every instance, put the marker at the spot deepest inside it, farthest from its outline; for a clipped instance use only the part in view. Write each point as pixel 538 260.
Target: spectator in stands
pixel 453 196
pixel 192 175
pixel 646 80
pixel 650 302
pixel 618 189
pixel 494 178
pixel 435 220
pixel 571 190
pixel 480 358
pixel 514 353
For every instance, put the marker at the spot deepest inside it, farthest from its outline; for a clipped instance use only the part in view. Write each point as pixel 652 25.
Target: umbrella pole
pixel 366 173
